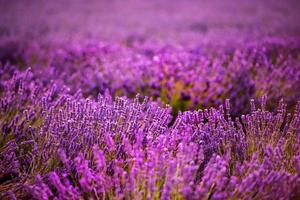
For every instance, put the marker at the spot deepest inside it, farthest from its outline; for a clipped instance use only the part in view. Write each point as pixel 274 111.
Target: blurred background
pixel 182 21
pixel 190 54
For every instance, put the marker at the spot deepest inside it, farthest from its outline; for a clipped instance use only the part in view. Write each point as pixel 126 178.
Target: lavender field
pixel 149 100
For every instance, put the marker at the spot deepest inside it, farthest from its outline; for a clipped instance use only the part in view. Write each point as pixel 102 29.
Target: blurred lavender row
pixel 184 78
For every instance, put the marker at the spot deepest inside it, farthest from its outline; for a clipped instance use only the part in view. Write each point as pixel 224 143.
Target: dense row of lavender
pixel 57 144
